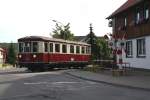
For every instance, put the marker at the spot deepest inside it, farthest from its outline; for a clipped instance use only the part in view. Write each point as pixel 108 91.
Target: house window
pixel 46 47
pixel 64 48
pixel 71 49
pixel 51 47
pixel 141 50
pixel 57 47
pixel 129 49
pixel 35 47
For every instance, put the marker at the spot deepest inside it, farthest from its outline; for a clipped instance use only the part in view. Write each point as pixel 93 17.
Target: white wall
pixel 1 58
pixel 139 62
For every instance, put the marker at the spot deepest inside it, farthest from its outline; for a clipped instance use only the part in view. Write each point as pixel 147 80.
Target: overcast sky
pixel 19 18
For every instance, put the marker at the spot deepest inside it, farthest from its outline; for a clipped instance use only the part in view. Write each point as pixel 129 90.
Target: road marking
pixel 65 82
pixel 36 83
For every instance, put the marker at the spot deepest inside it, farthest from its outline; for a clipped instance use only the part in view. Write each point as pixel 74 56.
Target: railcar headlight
pixel 34 56
pixel 20 56
pixel 72 59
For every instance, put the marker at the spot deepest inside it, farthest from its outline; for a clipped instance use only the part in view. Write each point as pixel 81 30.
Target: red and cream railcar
pixel 36 52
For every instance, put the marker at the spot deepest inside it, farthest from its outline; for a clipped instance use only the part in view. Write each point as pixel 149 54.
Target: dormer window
pixel 137 17
pixel 110 23
pixel 125 21
pixel 146 13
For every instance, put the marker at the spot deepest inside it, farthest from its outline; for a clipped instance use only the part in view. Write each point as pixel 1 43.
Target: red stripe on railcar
pixel 47 57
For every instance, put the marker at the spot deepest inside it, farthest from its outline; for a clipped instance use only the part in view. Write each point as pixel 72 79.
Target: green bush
pixel 5 65
pixel 94 68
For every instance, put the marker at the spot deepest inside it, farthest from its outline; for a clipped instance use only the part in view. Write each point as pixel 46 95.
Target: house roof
pixel 85 38
pixel 79 38
pixel 125 6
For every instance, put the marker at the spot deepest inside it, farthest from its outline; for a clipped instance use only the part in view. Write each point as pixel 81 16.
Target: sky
pixel 20 18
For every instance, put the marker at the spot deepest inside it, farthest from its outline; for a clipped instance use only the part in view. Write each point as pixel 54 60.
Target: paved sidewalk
pixel 132 81
pixel 11 69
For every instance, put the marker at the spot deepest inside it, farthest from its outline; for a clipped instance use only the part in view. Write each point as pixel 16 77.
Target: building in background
pixel 2 56
pixel 132 20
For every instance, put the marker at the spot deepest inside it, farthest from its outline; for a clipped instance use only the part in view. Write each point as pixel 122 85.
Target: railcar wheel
pixel 31 69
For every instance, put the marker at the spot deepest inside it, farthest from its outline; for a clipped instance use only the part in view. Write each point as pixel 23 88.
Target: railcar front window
pixel 27 47
pixel 35 47
pixel 20 47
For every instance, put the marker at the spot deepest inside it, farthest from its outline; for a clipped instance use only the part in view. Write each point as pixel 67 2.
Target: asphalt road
pixel 57 85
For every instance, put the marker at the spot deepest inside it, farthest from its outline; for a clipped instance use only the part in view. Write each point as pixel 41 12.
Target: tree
pixel 11 54
pixel 103 51
pixel 99 47
pixel 62 31
pixel 91 39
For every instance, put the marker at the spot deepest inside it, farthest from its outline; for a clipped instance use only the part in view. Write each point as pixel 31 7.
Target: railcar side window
pixel 88 50
pixel 57 47
pixel 51 47
pixel 35 47
pixel 27 47
pixel 20 47
pixel 77 49
pixel 71 49
pixel 83 50
pixel 64 48
pixel 46 47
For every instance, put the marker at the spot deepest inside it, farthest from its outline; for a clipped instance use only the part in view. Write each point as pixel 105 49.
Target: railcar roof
pixel 47 39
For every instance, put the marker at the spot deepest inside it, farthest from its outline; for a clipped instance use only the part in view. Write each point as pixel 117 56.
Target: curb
pixel 109 83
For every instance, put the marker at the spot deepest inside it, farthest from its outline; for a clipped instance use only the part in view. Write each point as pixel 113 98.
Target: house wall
pixel 135 61
pixel 1 57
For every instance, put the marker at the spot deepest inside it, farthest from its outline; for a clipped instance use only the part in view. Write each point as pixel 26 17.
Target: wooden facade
pixel 128 16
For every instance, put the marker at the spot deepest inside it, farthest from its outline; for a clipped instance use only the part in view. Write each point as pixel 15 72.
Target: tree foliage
pixel 62 32
pixel 11 54
pixel 103 51
pixel 99 47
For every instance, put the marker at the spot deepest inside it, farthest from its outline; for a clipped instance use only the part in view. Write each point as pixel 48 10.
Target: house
pixel 80 38
pixel 132 20
pixel 2 56
pixel 86 38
